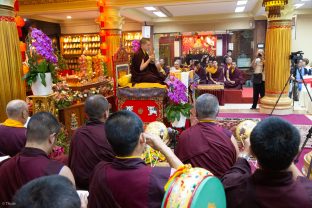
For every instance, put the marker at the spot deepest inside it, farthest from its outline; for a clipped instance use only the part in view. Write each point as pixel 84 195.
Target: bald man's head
pixel 97 107
pixel 17 110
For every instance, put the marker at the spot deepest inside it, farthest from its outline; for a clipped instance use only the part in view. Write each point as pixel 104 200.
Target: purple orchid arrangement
pixel 136 46
pixel 178 105
pixel 43 45
pixel 41 58
pixel 176 90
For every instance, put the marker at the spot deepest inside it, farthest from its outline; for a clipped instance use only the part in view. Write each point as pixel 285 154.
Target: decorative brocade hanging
pixel 274 7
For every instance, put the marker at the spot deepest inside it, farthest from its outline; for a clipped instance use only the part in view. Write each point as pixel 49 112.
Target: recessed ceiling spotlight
pixel 239 3
pixel 239 9
pixel 160 14
pixel 298 5
pixel 150 8
pixel 68 17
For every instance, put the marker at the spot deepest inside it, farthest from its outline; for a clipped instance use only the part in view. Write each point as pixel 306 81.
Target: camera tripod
pixel 310 130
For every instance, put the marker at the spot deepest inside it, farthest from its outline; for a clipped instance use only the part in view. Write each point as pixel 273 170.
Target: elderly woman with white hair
pixel 258 78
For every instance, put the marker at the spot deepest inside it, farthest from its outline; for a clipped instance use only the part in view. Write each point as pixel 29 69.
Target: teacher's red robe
pixel 88 147
pixel 12 140
pixel 150 74
pixel 208 146
pixel 29 164
pixel 265 189
pixel 127 183
pixel 234 75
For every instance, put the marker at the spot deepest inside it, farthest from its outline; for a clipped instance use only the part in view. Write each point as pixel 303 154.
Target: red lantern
pixel 22 46
pixel 103 46
pixel 102 33
pixel 19 23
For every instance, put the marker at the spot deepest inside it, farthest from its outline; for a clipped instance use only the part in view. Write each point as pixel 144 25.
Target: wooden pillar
pixel 277 67
pixel 11 83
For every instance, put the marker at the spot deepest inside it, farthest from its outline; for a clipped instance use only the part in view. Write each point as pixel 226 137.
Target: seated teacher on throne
pixel 143 67
pixel 233 77
pixel 215 73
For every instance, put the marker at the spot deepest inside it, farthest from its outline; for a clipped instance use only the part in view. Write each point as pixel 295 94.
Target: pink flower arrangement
pixel 136 46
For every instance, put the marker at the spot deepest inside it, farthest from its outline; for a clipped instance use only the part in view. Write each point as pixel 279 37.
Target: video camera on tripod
pixel 295 57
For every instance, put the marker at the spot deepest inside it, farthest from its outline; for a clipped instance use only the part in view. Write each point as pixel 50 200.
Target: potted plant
pixel 178 109
pixel 41 61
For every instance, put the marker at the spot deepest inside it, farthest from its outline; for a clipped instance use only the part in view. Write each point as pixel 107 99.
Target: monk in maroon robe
pixel 206 144
pixel 215 73
pixel 143 68
pixel 201 73
pixel 127 181
pixel 89 145
pixel 277 183
pixel 12 131
pixel 233 76
pixel 32 162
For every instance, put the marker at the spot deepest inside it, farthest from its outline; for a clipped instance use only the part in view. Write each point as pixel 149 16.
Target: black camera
pixel 296 56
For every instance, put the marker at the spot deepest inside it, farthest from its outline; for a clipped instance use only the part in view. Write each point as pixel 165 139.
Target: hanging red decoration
pixel 19 23
pixel 101 20
pixel 16 5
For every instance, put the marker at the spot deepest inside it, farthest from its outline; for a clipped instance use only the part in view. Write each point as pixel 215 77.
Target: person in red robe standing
pixel 32 162
pixel 89 145
pixel 12 131
pixel 233 76
pixel 128 182
pixel 277 182
pixel 206 144
pixel 143 68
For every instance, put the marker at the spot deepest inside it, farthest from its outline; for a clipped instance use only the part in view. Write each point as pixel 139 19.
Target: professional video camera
pixel 296 56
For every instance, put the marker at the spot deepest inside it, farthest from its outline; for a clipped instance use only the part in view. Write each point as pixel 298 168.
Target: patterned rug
pixel 232 123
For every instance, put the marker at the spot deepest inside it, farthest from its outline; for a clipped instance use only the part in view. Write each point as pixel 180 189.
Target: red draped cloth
pixel 208 146
pixel 29 164
pixel 88 147
pixel 150 74
pixel 128 183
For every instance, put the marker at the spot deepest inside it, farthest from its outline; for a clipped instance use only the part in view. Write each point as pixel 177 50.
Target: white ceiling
pixel 220 7
pixel 203 8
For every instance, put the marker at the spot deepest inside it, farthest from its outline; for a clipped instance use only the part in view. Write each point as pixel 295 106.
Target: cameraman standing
pixel 296 83
pixel 258 78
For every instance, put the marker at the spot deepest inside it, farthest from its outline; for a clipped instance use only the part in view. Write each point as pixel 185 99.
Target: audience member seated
pixel 49 191
pixel 307 69
pixel 12 131
pixel 228 54
pixel 143 68
pixel 233 77
pixel 32 162
pixel 176 66
pixel 191 66
pixel 165 69
pixel 215 73
pixel 201 72
pixel 206 144
pixel 89 144
pixel 277 182
pixel 128 181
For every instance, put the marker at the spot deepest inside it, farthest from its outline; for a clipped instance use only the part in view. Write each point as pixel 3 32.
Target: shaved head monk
pixel 32 162
pixel 143 68
pixel 12 131
pixel 89 145
pixel 207 145
pixel 277 183
pixel 127 181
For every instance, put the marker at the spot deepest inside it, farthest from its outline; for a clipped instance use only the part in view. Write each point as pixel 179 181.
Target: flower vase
pixel 180 123
pixel 39 89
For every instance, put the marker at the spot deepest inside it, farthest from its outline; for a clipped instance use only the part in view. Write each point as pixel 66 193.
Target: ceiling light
pixel 239 3
pixel 298 5
pixel 69 17
pixel 160 14
pixel 239 9
pixel 150 8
